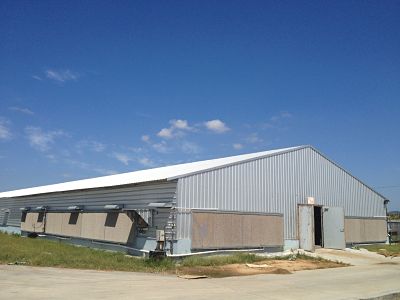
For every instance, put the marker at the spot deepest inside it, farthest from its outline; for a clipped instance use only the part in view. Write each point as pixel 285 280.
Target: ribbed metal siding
pixel 3 216
pixel 275 184
pixel 137 196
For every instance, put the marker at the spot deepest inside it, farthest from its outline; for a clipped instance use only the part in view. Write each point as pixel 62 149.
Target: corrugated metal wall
pixel 136 196
pixel 3 216
pixel 275 184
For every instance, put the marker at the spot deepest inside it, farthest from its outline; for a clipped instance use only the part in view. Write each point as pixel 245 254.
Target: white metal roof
pixel 155 174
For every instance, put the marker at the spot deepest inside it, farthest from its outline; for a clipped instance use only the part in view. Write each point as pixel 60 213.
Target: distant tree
pixel 394 215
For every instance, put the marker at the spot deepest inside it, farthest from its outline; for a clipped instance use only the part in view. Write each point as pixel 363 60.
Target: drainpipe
pixel 385 203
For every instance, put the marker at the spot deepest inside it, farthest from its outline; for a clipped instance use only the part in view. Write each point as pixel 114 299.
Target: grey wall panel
pixel 135 196
pixel 4 213
pixel 276 184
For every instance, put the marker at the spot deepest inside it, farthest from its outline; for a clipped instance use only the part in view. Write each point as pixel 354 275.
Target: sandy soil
pixel 387 253
pixel 270 267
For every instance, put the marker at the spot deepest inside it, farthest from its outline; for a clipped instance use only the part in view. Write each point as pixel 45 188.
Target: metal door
pixel 333 227
pixel 306 227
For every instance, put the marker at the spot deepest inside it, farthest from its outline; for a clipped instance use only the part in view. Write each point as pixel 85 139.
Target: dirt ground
pixel 387 253
pixel 261 267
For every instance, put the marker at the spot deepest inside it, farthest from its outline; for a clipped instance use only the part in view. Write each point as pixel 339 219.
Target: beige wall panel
pixel 119 228
pixel 365 230
pixel 278 225
pixel 31 223
pixel 93 225
pixel 72 224
pixel 66 224
pixel 247 231
pixel 375 230
pixel 222 228
pixel 270 232
pixel 27 225
pixel 352 230
pixel 113 227
pixel 202 236
pixel 236 235
pixel 53 223
pixel 234 230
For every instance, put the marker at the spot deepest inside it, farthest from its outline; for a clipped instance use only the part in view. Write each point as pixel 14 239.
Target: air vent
pixel 113 206
pixel 75 207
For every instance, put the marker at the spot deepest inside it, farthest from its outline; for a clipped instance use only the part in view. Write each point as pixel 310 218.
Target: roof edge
pixel 122 185
pixel 292 149
pixel 348 173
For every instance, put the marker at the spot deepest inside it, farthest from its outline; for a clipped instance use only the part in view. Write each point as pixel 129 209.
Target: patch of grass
pixel 38 252
pixel 386 250
pixel 220 260
pixel 293 257
pixel 45 253
pixel 242 258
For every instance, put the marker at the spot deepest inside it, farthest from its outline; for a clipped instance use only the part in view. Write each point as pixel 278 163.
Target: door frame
pixel 322 224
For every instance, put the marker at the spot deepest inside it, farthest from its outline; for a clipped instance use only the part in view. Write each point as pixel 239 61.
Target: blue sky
pixel 89 88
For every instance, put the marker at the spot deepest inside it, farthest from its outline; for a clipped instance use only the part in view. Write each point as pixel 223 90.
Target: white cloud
pixel 61 75
pixel 166 133
pixel 176 129
pixel 123 158
pixel 216 126
pixel 37 77
pixel 5 132
pixel 86 166
pixel 145 138
pixel 103 171
pixel 237 146
pixel 97 146
pixel 253 138
pixel 52 157
pixel 92 145
pixel 23 110
pixel 190 148
pixel 146 162
pixel 77 163
pixel 135 149
pixel 41 140
pixel 286 114
pixel 180 124
pixel 161 147
pixel 276 120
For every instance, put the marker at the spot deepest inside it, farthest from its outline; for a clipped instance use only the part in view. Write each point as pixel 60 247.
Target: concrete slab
pixel 354 257
pixel 366 280
pixel 10 229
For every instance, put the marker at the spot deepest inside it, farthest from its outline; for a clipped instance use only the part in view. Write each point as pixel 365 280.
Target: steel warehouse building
pixel 285 198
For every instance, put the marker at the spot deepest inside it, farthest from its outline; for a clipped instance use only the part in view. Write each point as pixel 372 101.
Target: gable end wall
pixel 275 184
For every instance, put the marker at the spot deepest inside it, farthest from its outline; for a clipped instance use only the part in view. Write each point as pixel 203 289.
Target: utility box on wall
pixel 160 235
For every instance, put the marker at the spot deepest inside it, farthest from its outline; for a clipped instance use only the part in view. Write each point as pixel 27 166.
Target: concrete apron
pixel 354 257
pixel 371 277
